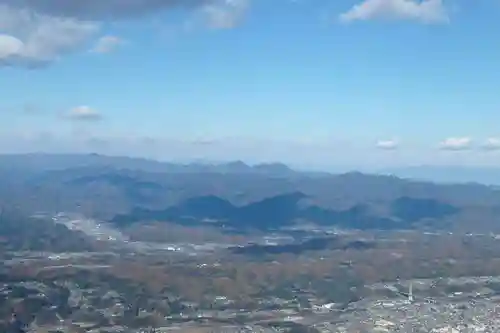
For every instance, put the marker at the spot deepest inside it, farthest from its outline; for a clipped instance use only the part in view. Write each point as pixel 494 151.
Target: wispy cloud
pixel 456 143
pixel 391 144
pixel 107 44
pixel 83 113
pixel 426 11
pixel 491 144
pixel 35 33
pixel 32 40
pixel 225 14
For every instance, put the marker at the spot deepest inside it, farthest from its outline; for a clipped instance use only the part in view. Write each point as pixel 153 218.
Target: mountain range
pixel 284 210
pixel 239 196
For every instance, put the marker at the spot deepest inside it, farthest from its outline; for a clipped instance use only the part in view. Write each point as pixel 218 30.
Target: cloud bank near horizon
pixel 313 154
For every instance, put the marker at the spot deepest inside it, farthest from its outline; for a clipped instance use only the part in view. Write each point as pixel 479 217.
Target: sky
pixel 313 83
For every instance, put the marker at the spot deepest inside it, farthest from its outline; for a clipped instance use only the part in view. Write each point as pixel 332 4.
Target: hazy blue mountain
pixel 260 196
pixel 449 174
pixel 46 162
pixel 281 211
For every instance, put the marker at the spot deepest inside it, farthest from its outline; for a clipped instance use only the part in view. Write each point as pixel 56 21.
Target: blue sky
pixel 312 83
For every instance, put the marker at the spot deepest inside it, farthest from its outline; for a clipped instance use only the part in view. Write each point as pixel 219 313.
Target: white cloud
pixel 456 143
pixel 29 39
pixel 491 144
pixel 107 44
pixel 426 11
pixel 387 144
pixel 83 113
pixel 225 14
pixel 34 33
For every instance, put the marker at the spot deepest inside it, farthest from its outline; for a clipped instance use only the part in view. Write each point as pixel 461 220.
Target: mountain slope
pixel 285 210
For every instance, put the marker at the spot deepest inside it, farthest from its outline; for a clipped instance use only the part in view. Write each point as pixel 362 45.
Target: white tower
pixel 410 293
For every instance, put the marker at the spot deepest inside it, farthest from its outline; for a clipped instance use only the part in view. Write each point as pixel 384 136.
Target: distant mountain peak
pixel 237 165
pixel 273 168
